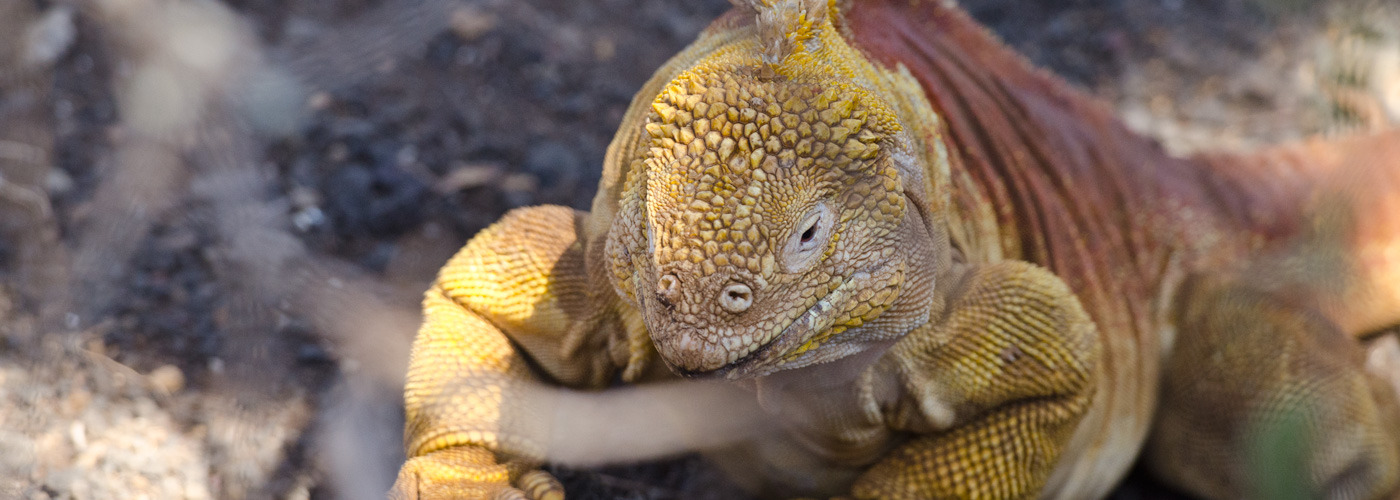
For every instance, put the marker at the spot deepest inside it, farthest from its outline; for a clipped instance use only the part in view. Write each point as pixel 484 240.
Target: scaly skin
pixel 944 274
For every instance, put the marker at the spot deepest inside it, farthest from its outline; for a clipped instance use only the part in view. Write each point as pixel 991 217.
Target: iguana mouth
pixel 821 316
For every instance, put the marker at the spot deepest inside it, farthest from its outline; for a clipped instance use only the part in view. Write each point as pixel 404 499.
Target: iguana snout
pixel 708 325
pixel 707 322
pixel 734 297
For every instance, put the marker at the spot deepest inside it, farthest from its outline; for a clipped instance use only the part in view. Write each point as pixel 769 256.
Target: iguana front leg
pixel 520 282
pixel 997 388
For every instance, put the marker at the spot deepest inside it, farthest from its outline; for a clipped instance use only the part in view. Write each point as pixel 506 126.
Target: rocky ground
pixel 217 217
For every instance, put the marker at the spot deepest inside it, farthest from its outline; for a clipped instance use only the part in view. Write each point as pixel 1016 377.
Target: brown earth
pixel 216 222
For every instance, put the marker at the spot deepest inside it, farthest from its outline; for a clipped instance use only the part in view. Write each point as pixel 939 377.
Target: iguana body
pixel 945 273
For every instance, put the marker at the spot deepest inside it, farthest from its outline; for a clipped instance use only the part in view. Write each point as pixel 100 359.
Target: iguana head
pixel 767 220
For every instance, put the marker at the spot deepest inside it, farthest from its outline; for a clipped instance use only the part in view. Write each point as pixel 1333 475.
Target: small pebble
pixel 318 101
pixel 51 36
pixel 520 183
pixel 77 432
pixel 59 182
pixel 470 22
pixel 604 49
pixel 167 379
pixel 554 164
pixel 466 176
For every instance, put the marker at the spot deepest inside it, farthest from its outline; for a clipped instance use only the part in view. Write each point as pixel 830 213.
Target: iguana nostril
pixel 736 298
pixel 668 289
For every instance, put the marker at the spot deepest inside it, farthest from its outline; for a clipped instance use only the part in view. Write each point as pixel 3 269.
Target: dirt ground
pixel 217 217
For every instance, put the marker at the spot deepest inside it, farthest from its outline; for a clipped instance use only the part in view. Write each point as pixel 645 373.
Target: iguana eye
pixel 809 238
pixel 810 232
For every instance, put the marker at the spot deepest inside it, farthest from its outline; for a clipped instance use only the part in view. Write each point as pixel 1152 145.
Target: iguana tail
pixel 1335 208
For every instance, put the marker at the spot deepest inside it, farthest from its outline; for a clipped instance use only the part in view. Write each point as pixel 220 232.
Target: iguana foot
pixel 471 473
pixel 1263 397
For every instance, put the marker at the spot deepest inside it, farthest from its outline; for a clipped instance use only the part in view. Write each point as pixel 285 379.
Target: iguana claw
pixel 470 473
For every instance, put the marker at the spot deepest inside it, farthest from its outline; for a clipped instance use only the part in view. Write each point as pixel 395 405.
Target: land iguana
pixel 950 274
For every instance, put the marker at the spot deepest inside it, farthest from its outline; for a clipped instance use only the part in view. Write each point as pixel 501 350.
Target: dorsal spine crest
pixel 786 26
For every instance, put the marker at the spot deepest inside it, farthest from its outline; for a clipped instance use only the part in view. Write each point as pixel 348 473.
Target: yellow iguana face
pixel 762 215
